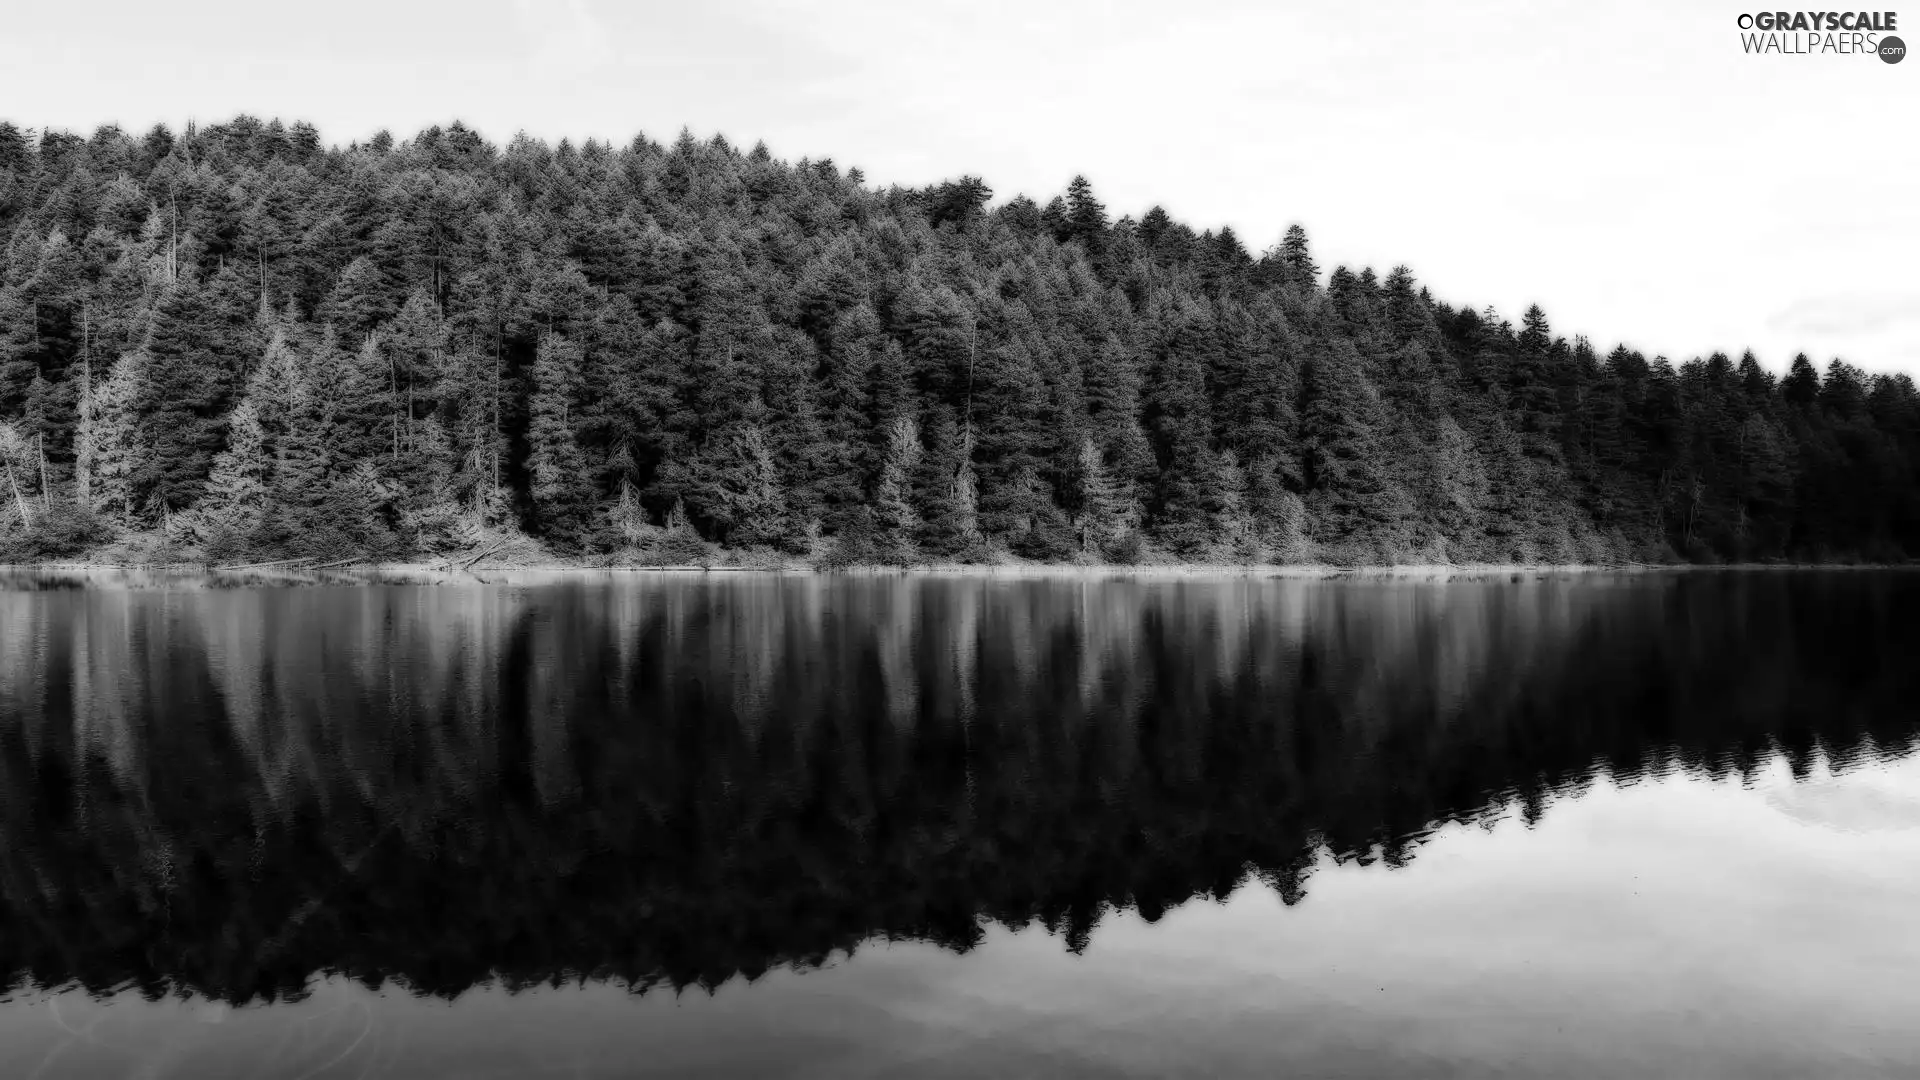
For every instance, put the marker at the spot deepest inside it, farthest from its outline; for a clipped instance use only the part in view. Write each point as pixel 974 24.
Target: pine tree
pixel 431 513
pixel 1105 513
pixel 202 340
pixel 562 493
pixel 897 520
pixel 237 489
pixel 751 500
pixel 1765 488
pixel 945 490
pixel 850 453
pixel 1188 490
pixel 1356 514
pixel 1531 385
pixel 19 347
pixel 302 466
pixel 355 394
pixel 1239 535
pixel 1456 487
pixel 1801 387
pixel 418 342
pixel 118 438
pixel 1295 259
pixel 1086 217
pixel 1011 438
pixel 15 457
pixel 360 300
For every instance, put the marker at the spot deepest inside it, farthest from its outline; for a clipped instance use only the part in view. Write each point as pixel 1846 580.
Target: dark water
pixel 924 826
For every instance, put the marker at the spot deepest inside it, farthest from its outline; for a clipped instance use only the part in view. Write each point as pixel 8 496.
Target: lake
pixel 951 826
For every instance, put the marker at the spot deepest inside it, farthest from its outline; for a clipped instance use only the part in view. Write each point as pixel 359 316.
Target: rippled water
pixel 665 825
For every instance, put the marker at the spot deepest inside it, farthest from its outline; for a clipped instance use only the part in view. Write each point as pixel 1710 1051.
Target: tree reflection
pixel 668 782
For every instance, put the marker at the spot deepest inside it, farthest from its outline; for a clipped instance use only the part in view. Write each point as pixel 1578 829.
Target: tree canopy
pixel 404 343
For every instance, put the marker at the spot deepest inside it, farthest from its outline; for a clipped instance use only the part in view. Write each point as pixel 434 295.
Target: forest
pixel 238 343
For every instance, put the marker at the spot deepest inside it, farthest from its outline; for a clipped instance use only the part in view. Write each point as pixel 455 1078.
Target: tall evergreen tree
pixel 1356 514
pixel 562 492
pixel 1295 259
pixel 202 340
pixel 1105 513
pixel 237 489
pixel 1189 490
pixel 118 437
pixel 750 498
pixel 898 519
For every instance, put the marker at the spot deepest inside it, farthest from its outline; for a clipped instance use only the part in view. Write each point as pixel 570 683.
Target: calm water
pixel 925 826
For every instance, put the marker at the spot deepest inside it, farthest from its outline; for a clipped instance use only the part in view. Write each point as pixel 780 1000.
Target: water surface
pixel 814 826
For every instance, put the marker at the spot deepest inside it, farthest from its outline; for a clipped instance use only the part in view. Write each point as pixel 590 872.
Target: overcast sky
pixel 1626 166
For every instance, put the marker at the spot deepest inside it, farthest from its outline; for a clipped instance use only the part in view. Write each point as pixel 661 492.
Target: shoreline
pixel 439 570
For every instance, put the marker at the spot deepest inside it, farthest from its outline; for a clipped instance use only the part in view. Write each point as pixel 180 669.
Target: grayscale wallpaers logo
pixel 1823 33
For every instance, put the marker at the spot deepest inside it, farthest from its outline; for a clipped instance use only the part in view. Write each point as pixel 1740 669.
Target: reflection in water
pixel 666 780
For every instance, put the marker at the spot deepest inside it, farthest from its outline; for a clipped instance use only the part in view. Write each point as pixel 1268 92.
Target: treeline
pixel 235 341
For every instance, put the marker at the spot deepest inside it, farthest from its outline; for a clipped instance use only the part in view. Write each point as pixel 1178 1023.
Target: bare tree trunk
pixel 19 500
pixel 393 389
pixel 83 437
pixel 966 413
pixel 496 417
pixel 46 490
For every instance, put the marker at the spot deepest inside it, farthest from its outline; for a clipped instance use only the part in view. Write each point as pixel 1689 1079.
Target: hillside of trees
pixel 236 342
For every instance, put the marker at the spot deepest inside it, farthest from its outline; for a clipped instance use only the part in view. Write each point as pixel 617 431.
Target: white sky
pixel 1624 165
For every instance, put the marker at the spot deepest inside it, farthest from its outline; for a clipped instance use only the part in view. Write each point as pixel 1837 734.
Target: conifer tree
pixel 1010 438
pixel 897 519
pixel 1297 267
pixel 201 343
pixel 237 489
pixel 19 344
pixel 1456 487
pixel 1356 514
pixel 1086 217
pixel 850 452
pixel 118 438
pixel 751 502
pixel 1188 492
pixel 1531 385
pixel 946 490
pixel 418 342
pixel 85 434
pixel 431 514
pixel 15 459
pixel 301 466
pixel 562 497
pixel 1240 536
pixel 357 401
pixel 1105 513
pixel 1801 387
